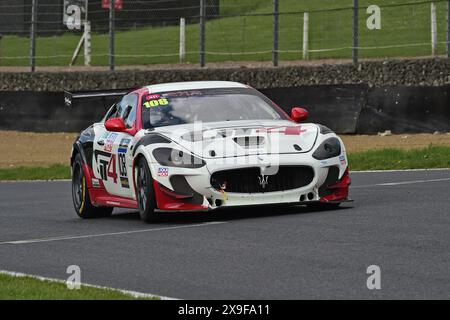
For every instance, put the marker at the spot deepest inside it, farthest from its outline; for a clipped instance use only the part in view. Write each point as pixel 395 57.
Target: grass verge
pixel 386 159
pixel 54 172
pixel 29 288
pixel 396 159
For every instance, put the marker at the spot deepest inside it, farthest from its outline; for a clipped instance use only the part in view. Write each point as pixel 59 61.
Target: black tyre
pixel 80 195
pixel 145 193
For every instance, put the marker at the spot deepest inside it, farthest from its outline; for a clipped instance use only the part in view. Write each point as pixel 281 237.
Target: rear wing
pixel 69 97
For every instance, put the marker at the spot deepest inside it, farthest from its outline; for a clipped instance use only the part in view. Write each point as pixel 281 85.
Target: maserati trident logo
pixel 263 181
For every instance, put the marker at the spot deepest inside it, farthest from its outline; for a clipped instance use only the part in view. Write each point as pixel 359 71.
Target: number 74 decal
pixel 112 173
pixel 107 165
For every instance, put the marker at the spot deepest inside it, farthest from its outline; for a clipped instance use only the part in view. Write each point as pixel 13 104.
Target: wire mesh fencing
pixel 239 30
pixel 131 32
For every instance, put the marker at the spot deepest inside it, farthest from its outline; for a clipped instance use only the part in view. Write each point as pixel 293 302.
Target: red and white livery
pixel 201 146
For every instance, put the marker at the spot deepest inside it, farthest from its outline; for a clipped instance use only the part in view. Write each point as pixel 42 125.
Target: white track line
pixel 109 234
pixel 401 170
pixel 388 184
pixel 134 294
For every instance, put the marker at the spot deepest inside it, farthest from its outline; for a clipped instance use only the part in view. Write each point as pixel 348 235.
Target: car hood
pixel 241 138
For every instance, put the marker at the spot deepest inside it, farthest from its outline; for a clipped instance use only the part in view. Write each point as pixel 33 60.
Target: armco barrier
pixel 413 72
pixel 406 109
pixel 353 108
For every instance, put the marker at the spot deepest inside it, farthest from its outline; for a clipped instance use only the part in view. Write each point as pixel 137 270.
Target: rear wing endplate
pixel 69 97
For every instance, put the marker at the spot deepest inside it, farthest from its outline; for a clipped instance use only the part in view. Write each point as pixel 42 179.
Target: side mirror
pixel 115 125
pixel 299 114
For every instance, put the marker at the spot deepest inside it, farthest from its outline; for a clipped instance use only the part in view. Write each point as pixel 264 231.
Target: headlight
pixel 177 158
pixel 330 148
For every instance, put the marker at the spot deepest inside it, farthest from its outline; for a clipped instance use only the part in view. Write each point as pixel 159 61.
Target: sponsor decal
pixel 124 143
pixel 343 160
pixel 124 182
pixel 102 159
pixel 107 164
pixel 184 93
pixel 95 183
pixel 152 97
pixel 110 141
pixel 122 165
pixel 295 131
pixel 286 130
pixel 223 187
pixel 113 203
pixel 122 162
pixel 163 172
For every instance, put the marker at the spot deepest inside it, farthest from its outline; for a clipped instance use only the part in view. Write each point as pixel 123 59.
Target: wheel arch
pixel 86 165
pixel 77 148
pixel 140 154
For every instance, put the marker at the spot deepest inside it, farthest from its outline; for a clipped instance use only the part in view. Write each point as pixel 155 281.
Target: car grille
pixel 250 180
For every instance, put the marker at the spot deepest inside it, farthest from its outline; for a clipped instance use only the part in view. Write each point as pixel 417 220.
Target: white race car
pixel 200 146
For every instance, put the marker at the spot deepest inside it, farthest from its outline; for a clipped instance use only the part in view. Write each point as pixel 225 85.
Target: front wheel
pixel 144 192
pixel 80 194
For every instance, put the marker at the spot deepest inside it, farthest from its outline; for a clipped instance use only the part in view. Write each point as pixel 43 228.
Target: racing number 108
pixel 155 103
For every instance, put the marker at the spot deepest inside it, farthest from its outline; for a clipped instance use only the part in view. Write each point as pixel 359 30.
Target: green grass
pixel 53 172
pixel 401 25
pixel 28 288
pixel 387 159
pixel 390 159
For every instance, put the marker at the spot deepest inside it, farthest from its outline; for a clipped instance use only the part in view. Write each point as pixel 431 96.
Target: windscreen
pixel 206 105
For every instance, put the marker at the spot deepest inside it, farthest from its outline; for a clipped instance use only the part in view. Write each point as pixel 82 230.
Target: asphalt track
pixel 399 221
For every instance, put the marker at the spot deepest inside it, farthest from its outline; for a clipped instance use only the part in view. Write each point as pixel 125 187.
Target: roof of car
pixel 192 85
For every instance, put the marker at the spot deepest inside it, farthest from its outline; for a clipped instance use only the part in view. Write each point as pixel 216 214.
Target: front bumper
pixel 199 183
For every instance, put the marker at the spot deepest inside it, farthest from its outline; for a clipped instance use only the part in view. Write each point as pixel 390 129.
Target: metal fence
pixel 131 32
